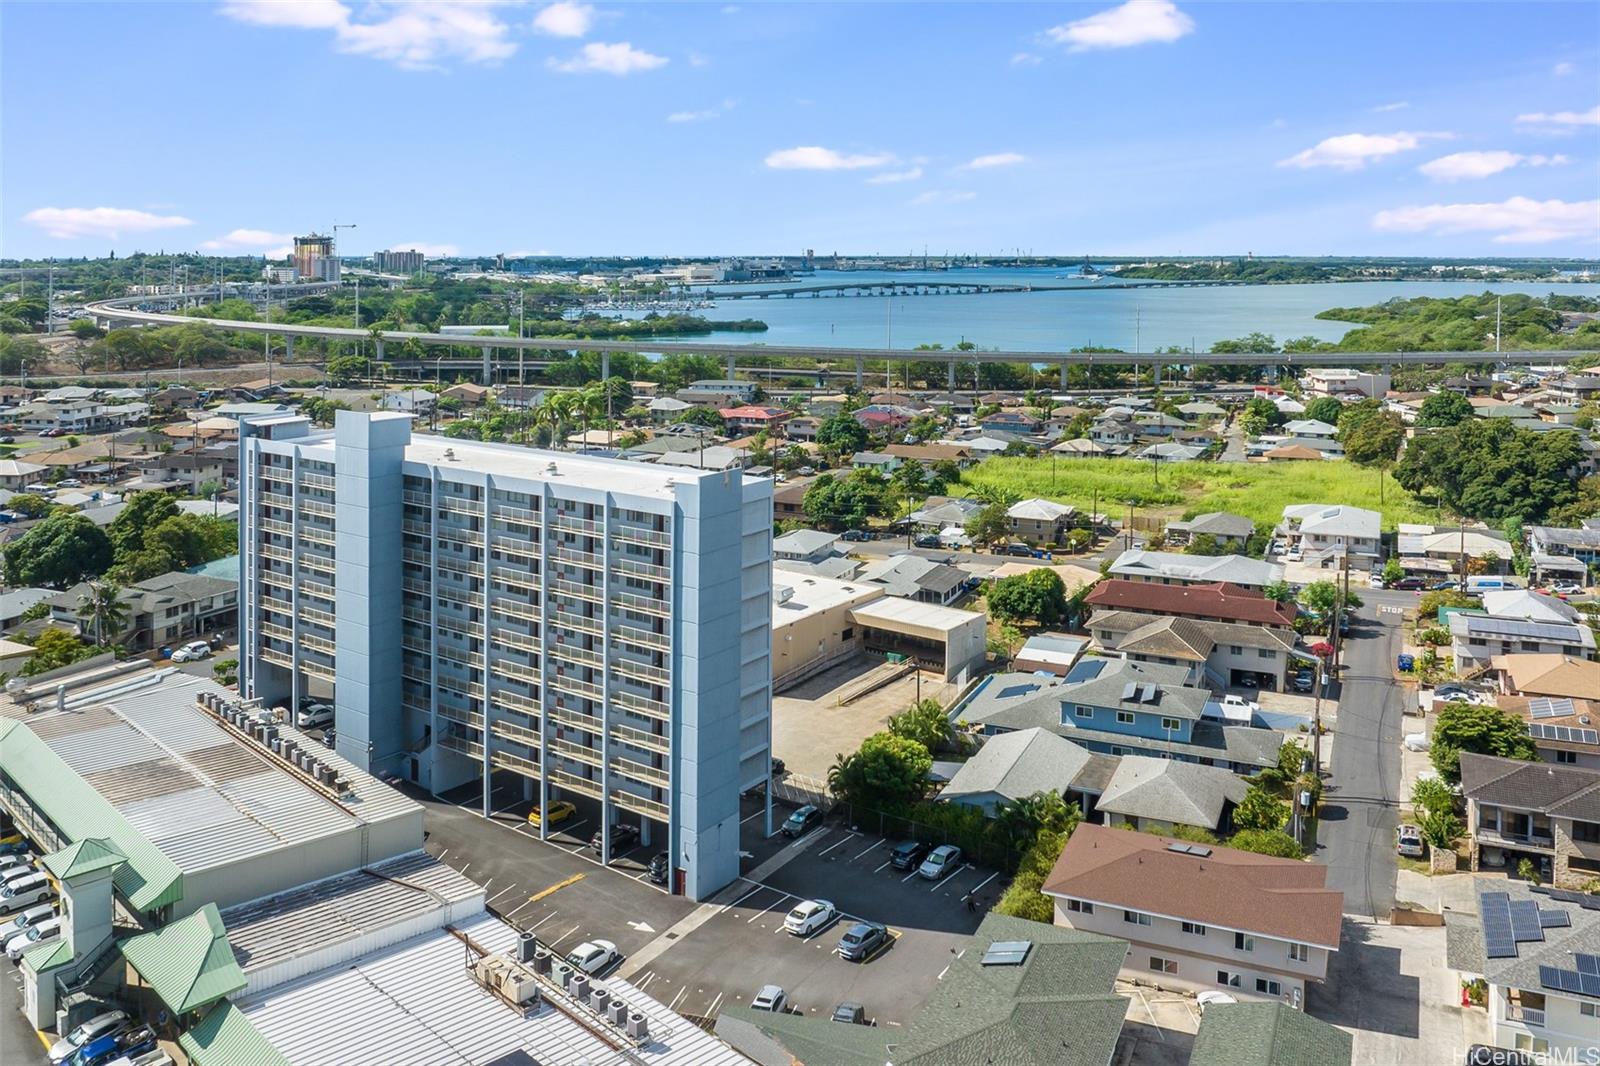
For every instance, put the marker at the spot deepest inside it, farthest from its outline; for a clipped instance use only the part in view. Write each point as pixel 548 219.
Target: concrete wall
pixel 819 638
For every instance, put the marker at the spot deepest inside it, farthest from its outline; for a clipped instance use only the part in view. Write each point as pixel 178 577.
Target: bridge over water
pixel 939 288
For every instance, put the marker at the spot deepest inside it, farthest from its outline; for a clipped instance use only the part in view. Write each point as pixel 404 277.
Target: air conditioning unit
pixel 599 997
pixel 617 1011
pixel 543 959
pixel 579 986
pixel 562 974
pixel 638 1026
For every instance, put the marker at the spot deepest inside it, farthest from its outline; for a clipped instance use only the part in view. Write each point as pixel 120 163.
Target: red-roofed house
pixel 752 418
pixel 1216 602
pixel 1200 917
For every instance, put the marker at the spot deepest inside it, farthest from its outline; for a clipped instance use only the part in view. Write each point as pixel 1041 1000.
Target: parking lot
pixel 705 956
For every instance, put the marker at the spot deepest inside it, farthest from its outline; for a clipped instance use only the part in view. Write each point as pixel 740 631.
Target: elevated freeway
pixel 133 310
pixel 937 288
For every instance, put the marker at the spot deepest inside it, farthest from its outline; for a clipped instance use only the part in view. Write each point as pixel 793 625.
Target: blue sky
pixel 1148 127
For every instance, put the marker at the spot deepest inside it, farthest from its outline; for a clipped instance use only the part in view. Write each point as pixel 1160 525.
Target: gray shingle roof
pixel 1192 631
pixel 1267 1034
pixel 1239 569
pixel 1557 947
pixel 1019 764
pixel 1563 791
pixel 1166 790
pixel 1218 524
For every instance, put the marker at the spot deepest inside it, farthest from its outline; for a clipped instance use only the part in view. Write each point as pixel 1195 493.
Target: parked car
pixel 153 1057
pixel 1410 584
pixel 14 860
pixel 624 837
pixel 770 998
pixel 1567 588
pixel 1408 841
pixel 908 854
pixel 25 892
pixel 862 940
pixel 31 916
pixel 926 540
pixel 43 932
pixel 557 812
pixel 1021 550
pixel 850 1014
pixel 310 716
pixel 1293 555
pixel 940 862
pixel 17 871
pixel 193 651
pixel 99 1026
pixel 855 535
pixel 69 483
pixel 809 916
pixel 592 956
pixel 801 821
pixel 660 867
pixel 1442 586
pixel 1303 681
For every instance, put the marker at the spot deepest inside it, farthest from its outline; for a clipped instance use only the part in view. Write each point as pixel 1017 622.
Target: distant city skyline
pixel 1142 128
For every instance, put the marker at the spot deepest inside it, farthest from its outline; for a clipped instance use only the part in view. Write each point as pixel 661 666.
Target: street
pixel 1355 837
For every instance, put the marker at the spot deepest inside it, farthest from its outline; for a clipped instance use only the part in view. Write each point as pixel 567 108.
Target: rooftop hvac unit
pixel 276 745
pixel 617 1011
pixel 520 987
pixel 598 998
pixel 543 958
pixel 638 1026
pixel 562 973
pixel 579 986
pixel 527 945
pixel 289 748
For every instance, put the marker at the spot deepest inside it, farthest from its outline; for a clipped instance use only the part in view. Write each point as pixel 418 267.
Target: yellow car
pixel 560 811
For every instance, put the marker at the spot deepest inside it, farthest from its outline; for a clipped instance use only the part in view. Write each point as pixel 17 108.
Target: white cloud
pixel 997 159
pixel 1398 105
pixel 433 251
pixel 250 240
pixel 943 196
pixel 1518 220
pixel 699 59
pixel 730 9
pixel 1135 22
pixel 1590 117
pixel 1025 59
pixel 1461 166
pixel 620 59
pixel 1561 70
pixel 71 223
pixel 564 19
pixel 694 116
pixel 813 157
pixel 1352 151
pixel 412 34
pixel 894 177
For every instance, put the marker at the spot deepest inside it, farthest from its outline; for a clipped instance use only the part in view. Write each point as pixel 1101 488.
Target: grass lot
pixel 1259 491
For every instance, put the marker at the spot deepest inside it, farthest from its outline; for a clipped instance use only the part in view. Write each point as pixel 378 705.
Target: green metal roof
pixel 1267 1034
pixel 86 856
pixel 225 1037
pixel 148 879
pixel 189 963
pixel 42 957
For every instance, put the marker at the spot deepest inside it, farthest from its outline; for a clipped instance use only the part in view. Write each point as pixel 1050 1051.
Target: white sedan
pixel 40 933
pixel 592 956
pixel 192 651
pixel 810 916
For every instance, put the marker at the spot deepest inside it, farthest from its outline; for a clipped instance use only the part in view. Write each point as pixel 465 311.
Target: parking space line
pixel 973 891
pixel 886 862
pixel 684 991
pixel 497 895
pixel 839 844
pixel 768 907
pixel 541 921
pixel 711 1012
pixel 742 898
pixel 564 936
pixel 908 876
pixel 753 817
pixel 940 883
pixel 874 847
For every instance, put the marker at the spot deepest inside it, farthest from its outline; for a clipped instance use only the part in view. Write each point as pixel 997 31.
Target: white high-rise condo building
pixel 539 624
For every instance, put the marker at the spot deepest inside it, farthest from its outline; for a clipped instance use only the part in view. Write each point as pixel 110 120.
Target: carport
pixel 944 639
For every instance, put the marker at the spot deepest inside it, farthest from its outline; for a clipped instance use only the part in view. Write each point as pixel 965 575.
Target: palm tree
pixel 559 408
pixel 103 607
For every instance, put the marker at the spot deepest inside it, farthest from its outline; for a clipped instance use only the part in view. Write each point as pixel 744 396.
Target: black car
pixel 850 1014
pixel 802 820
pixel 1019 549
pixel 659 869
pixel 1410 584
pixel 927 540
pixel 623 838
pixel 855 534
pixel 908 854
pixel 861 940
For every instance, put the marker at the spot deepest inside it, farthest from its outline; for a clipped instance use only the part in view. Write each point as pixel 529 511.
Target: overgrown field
pixel 1259 491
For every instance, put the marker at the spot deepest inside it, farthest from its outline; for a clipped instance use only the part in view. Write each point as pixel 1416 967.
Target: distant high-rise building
pixel 393 262
pixel 548 625
pixel 314 258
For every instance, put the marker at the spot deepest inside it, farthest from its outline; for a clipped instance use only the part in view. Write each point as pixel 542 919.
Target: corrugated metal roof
pixel 189 962
pixel 225 1037
pixel 416 1004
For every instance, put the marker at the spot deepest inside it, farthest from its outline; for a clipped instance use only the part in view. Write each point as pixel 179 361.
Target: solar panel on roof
pixel 1130 692
pixel 1516 627
pixel 1525 924
pixel 1007 953
pixel 1554 919
pixel 1589 984
pixel 1587 963
pixel 1496 948
pixel 1544 707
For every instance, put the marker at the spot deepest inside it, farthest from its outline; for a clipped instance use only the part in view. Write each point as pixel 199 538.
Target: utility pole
pixel 50 300
pixel 1497 324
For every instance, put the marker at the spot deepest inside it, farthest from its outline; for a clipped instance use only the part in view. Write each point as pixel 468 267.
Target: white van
pixel 25 892
pixel 1491 583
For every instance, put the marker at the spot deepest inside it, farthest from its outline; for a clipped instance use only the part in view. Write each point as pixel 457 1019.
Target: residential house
pixel 1084 448
pixel 1424 549
pixel 1200 410
pixel 1224 654
pixel 1013 766
pixel 1217 602
pixel 1345 383
pixel 879 462
pixel 753 418
pixel 1171 568
pixel 1039 521
pixel 161 611
pixel 1157 423
pixel 410 401
pixel 1537 949
pixel 1049 653
pixel 1018 992
pixel 1227 531
pixel 1310 427
pixel 1467 384
pixel 877 417
pixel 802 427
pixel 1582 544
pixel 1169 451
pixel 1564 731
pixel 70 394
pixel 1110 431
pixel 917 578
pixel 1476 639
pixel 1121 707
pixel 173 399
pixel 718 393
pixel 1292 453
pixel 931 454
pixel 520 397
pixel 985 446
pixel 827 406
pixel 1155 795
pixel 186 471
pixel 15 473
pixel 941 512
pixel 1530 606
pixel 789 498
pixel 666 408
pixel 1556 676
pixel 18 602
pixel 1575 389
pixel 809 551
pixel 712 457
pixel 1200 918
pixel 1545 813
pixel 468 394
pixel 1326 532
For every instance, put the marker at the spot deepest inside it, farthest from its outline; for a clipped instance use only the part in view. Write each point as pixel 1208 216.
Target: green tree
pixel 191 539
pixel 990 525
pixel 345 370
pixel 885 770
pixel 1443 409
pixel 841 435
pixel 1490 469
pixel 53 649
pixel 60 551
pixel 1266 842
pixel 1325 409
pixel 1021 822
pixel 924 722
pixel 1261 810
pixel 85 330
pixel 29 505
pixel 1037 596
pixel 700 416
pixel 1483 730
pixel 136 566
pixel 142 513
pixel 321 410
pixel 844 503
pixel 1278 590
pixel 1320 597
pixel 102 608
pixel 1393 571
pixel 1023 898
pixel 1203 544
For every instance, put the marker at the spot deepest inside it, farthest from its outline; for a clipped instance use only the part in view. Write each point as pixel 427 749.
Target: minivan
pixel 16 871
pixel 25 892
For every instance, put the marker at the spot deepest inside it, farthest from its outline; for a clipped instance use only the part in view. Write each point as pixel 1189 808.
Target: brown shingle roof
pixel 1230 889
pixel 1220 601
pixel 1546 674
